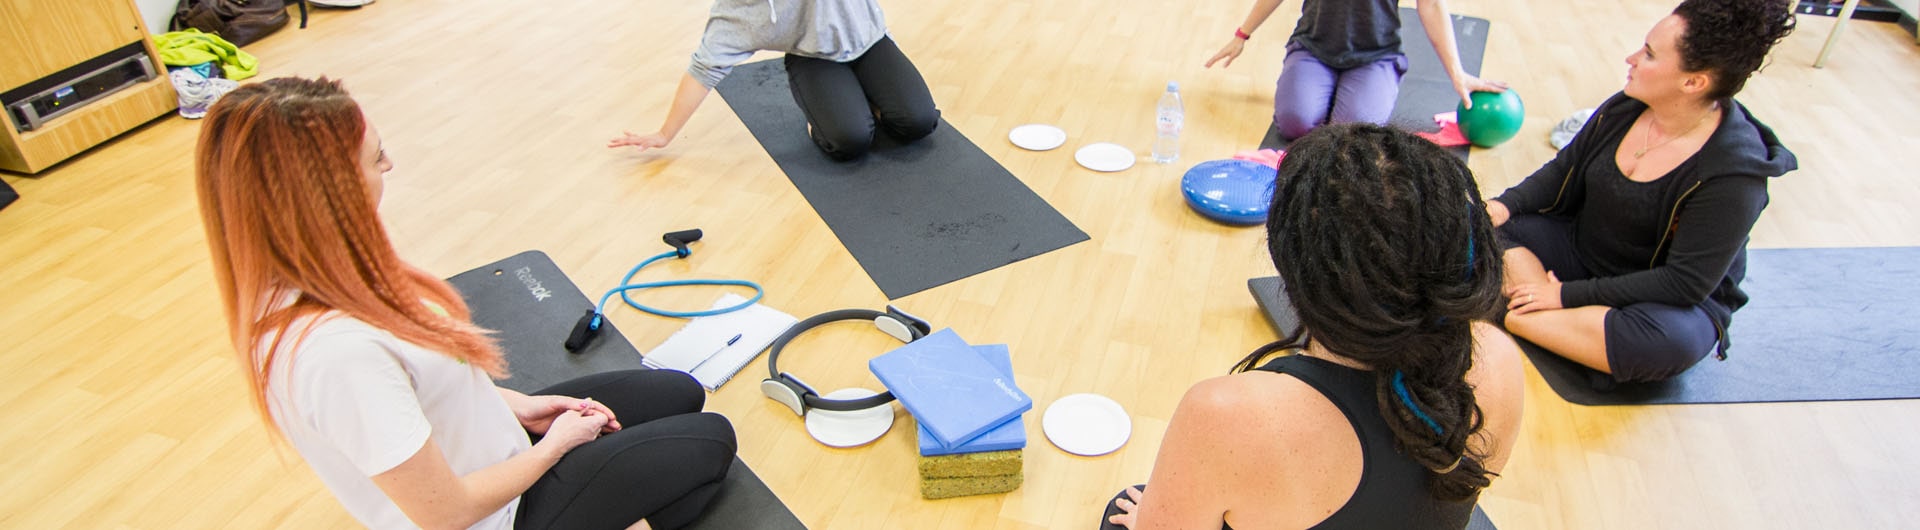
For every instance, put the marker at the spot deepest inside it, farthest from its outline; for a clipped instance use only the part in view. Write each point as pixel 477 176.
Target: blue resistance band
pixel 1400 389
pixel 1470 256
pixel 627 285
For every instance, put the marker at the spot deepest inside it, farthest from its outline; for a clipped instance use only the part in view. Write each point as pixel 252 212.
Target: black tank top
pixel 1620 227
pixel 1393 488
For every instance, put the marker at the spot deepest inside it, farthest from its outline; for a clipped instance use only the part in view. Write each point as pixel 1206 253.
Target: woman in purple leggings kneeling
pixel 1344 63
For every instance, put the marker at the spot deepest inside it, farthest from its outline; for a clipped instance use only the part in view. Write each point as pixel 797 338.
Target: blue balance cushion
pixel 1229 191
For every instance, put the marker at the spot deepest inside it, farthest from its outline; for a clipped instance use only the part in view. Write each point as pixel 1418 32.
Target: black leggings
pixel 1647 341
pixel 664 465
pixel 842 101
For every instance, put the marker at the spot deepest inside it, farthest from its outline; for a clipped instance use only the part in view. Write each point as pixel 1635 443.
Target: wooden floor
pixel 124 409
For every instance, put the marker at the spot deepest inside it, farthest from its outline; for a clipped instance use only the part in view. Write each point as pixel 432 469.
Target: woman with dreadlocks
pixel 1399 402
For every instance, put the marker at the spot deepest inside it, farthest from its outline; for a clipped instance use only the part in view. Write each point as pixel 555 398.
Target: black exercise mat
pixel 1425 90
pixel 1836 324
pixel 1270 293
pixel 534 306
pixel 915 216
pixel 7 195
pixel 746 503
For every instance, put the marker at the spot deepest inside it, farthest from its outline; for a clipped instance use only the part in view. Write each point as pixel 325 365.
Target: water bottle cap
pixel 1173 86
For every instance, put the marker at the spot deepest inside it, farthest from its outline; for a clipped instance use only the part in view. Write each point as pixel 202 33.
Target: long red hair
pixel 295 231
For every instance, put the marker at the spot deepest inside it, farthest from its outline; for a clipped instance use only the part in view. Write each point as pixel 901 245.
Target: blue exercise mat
pixel 1425 90
pixel 916 216
pixel 1836 324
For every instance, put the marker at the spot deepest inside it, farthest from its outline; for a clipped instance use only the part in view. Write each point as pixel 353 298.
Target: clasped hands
pixel 1529 297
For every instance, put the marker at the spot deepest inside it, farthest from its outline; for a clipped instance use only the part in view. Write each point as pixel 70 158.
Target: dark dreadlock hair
pixel 1730 38
pixel 1388 255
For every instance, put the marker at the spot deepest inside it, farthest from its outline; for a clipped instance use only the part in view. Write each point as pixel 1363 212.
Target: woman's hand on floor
pixel 642 141
pixel 1229 52
pixel 1127 506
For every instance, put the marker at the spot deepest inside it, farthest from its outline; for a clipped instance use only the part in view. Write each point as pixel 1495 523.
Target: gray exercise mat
pixel 1837 324
pixel 1425 90
pixel 916 216
pixel 1480 521
pixel 745 503
pixel 533 305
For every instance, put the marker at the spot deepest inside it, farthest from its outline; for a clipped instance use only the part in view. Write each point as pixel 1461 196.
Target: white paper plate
pixel 1104 156
pixel 1037 137
pixel 1087 424
pixel 851 428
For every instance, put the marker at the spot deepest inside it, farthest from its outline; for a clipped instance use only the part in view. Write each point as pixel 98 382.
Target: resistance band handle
pixel 583 332
pixel 680 239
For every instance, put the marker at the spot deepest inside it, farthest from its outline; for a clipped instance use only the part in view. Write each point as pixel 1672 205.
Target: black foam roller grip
pixel 583 333
pixel 680 239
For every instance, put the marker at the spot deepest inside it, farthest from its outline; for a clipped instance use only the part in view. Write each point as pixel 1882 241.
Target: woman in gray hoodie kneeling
pixel 847 75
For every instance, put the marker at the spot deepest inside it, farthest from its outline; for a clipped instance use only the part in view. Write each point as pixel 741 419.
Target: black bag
pixel 240 22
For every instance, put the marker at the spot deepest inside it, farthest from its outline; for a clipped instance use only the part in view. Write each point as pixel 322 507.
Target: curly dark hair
pixel 1730 38
pixel 1387 253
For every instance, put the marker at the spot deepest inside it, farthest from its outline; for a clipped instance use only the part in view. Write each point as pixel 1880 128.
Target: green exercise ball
pixel 1494 118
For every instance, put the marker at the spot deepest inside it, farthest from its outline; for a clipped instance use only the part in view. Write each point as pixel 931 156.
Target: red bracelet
pixel 1241 34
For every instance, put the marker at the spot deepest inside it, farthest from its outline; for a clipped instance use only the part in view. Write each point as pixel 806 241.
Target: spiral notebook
pixel 714 348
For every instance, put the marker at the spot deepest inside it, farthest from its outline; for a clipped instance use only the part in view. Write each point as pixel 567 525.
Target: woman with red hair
pixel 376 374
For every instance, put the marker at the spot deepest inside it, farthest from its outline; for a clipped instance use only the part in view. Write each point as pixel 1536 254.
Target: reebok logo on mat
pixel 540 292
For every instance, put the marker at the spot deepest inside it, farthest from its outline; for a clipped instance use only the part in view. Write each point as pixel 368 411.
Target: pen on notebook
pixel 716 351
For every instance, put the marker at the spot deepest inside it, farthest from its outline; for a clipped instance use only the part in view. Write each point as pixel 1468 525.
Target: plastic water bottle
pixel 1166 141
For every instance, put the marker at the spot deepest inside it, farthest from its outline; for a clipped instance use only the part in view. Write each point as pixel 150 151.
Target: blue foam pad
pixel 1008 436
pixel 1229 191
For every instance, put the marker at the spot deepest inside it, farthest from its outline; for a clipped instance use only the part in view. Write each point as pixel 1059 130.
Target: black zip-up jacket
pixel 1702 254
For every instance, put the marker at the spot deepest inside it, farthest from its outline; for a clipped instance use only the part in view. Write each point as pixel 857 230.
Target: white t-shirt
pixel 356 401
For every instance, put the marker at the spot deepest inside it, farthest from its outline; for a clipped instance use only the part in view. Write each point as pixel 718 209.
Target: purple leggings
pixel 1310 93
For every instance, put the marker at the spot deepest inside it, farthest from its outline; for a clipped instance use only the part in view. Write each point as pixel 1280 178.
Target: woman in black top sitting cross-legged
pixel 1627 250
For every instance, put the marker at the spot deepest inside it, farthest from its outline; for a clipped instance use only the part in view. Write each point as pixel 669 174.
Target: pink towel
pixel 1266 157
pixel 1449 134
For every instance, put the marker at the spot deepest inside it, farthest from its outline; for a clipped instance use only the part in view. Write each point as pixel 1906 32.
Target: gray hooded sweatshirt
pixel 834 30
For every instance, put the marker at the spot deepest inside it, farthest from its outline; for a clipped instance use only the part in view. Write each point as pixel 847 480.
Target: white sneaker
pixel 1563 133
pixel 197 93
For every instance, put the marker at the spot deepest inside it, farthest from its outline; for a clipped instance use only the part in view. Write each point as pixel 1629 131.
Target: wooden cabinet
pixel 41 37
